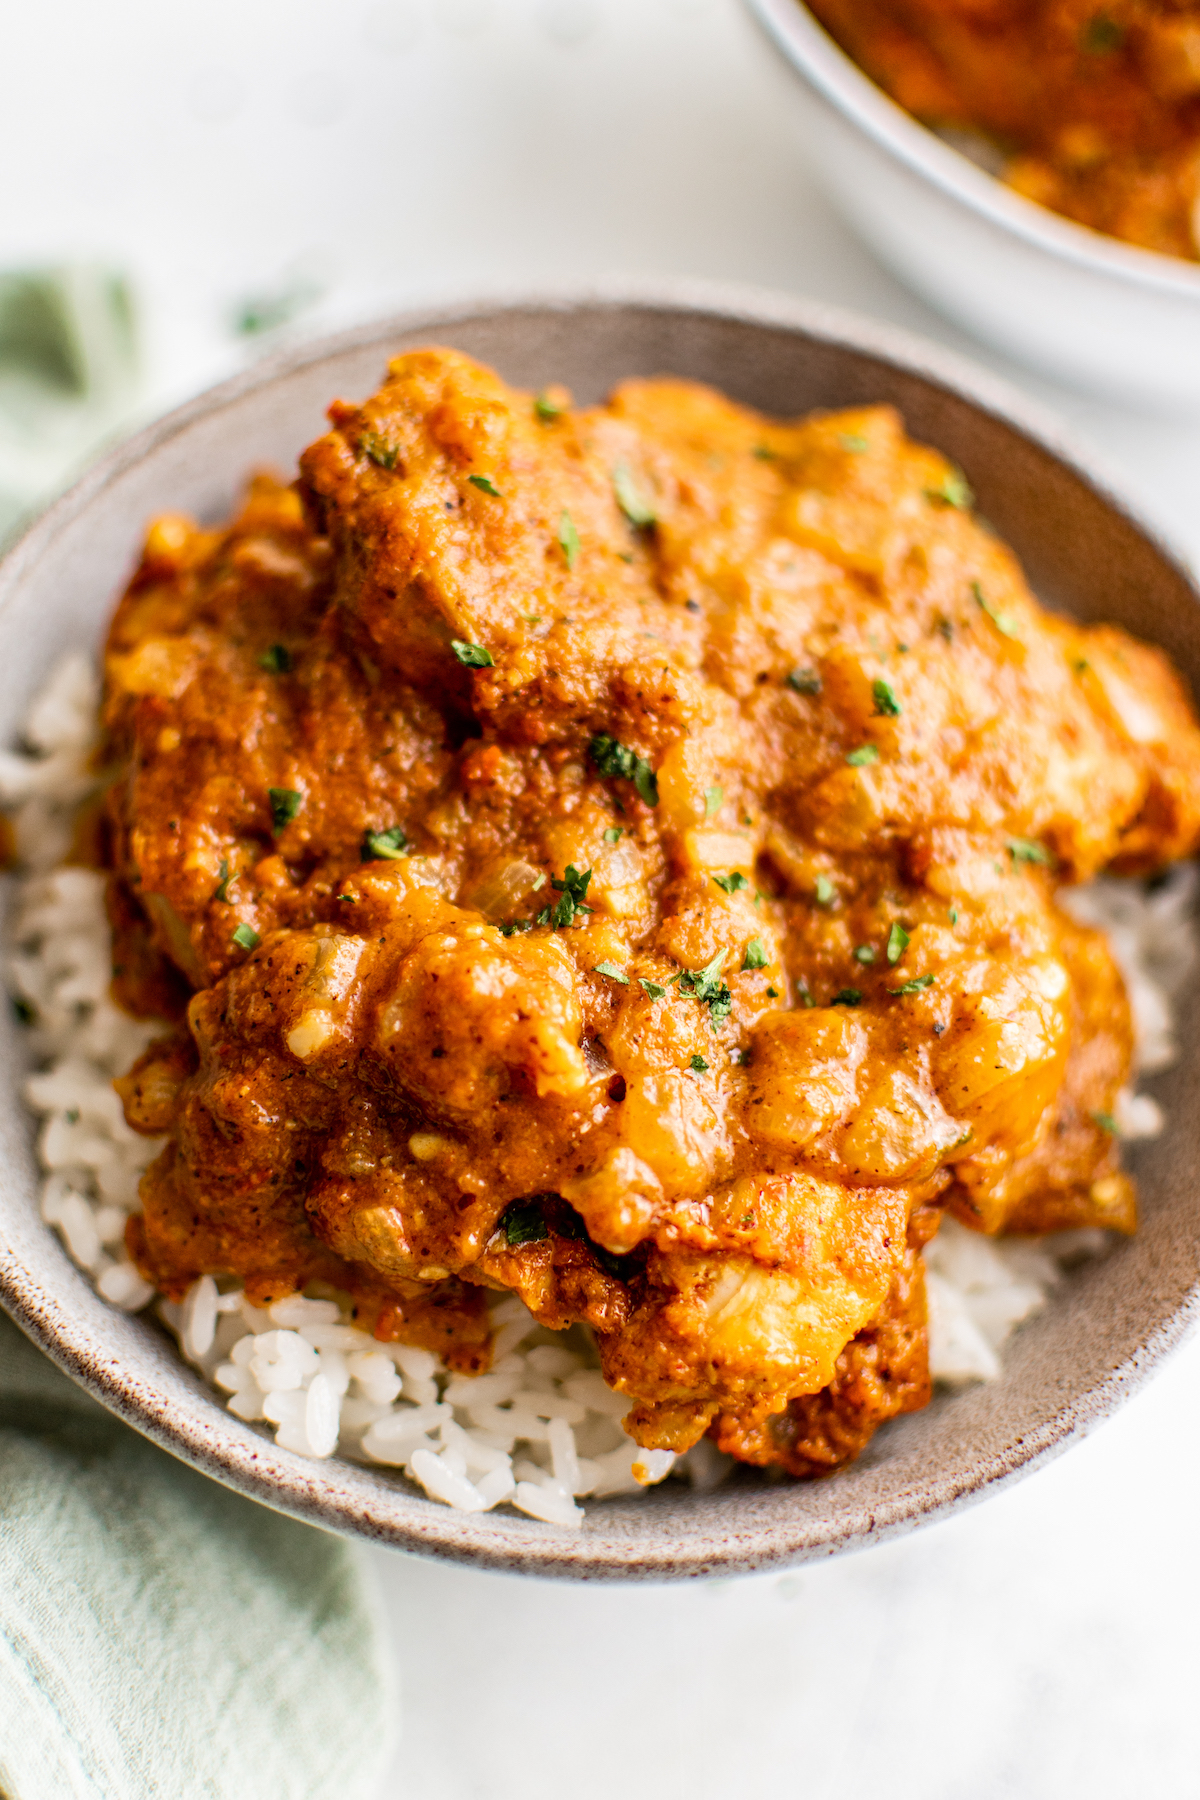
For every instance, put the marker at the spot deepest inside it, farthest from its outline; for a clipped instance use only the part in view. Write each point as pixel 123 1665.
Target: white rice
pixel 541 1429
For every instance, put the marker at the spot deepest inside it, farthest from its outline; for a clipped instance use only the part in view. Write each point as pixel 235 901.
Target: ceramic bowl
pixel 1083 549
pixel 1087 310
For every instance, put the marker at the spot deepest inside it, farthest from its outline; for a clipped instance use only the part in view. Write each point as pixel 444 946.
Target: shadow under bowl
pixel 1082 549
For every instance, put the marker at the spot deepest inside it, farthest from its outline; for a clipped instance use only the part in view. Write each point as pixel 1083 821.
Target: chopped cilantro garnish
pixel 613 973
pixel 568 539
pixel 1028 850
pixel 224 877
pixel 384 846
pixel 886 704
pixel 472 656
pixel 486 485
pixel 732 884
pixel 350 899
pixel 699 1065
pixel 573 887
pixel 614 834
pixel 377 450
pixel 847 997
pixel 772 993
pixel 824 890
pixel 803 681
pixel 516 925
pixel 277 660
pixel 756 956
pixel 652 988
pixel 713 798
pixel 854 442
pixel 864 953
pixel 1106 1122
pixel 764 453
pixel 953 490
pixel 547 409
pixel 633 504
pixel 246 938
pixel 863 756
pixel 953 915
pixel 285 804
pixel 612 758
pixel 1081 665
pixel 1005 624
pixel 898 941
pixel 707 987
pixel 914 986
pixel 524 1223
pixel 1101 35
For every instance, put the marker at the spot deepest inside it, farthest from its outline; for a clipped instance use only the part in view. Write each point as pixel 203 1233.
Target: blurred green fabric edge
pixel 69 373
pixel 161 1636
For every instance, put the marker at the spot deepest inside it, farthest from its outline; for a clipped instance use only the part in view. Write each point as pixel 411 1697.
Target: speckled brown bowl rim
pixel 1067 1370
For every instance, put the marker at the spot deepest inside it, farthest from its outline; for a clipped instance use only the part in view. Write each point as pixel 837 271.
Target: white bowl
pixel 1085 309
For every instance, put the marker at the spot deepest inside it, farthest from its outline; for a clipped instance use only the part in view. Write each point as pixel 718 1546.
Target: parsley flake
pixel 914 986
pixel 764 453
pixel 612 758
pixel 472 656
pixel 953 915
pixel 823 890
pixel 486 485
pixel 864 954
pixel 524 1223
pixel 652 988
pixel 953 490
pixel 699 1065
pixel 613 973
pixel 377 450
pixel 863 757
pixel 277 660
pixel 1005 624
pixel 898 942
pixel 633 504
pixel 756 956
pixel 707 987
pixel 568 539
pixel 515 926
pixel 1028 850
pixel 1101 36
pixel 854 442
pixel 886 704
pixel 285 804
pixel 384 846
pixel 847 997
pixel 803 681
pixel 1106 1122
pixel 224 877
pixel 246 938
pixel 732 884
pixel 614 834
pixel 547 409
pixel 713 799
pixel 573 887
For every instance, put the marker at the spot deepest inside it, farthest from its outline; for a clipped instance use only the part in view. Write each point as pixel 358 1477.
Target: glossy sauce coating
pixel 612 855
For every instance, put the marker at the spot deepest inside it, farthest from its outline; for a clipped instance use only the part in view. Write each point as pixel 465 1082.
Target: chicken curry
pixel 610 855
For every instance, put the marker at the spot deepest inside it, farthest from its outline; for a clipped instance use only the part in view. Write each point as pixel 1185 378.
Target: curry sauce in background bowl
pixel 1102 292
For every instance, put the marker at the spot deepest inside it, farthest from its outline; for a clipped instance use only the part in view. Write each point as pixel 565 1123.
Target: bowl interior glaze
pixel 1082 549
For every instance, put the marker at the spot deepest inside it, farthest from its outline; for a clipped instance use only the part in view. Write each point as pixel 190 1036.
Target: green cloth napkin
pixel 160 1636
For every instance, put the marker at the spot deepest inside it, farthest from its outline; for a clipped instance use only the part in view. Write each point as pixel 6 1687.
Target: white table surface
pixel 1037 1646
